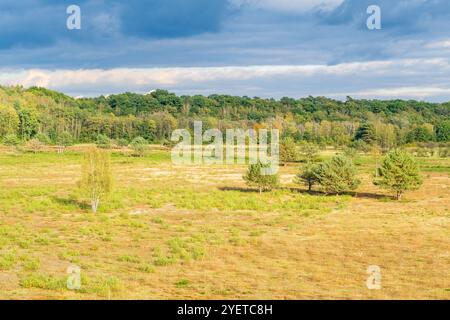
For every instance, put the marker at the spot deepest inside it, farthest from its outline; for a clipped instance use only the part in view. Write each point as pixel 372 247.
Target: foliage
pixel 103 141
pixel 337 175
pixel 9 121
pixel 96 180
pixel 288 150
pixel 366 132
pixel 139 146
pixel 443 131
pixel 43 138
pixel 154 116
pixel 309 152
pixel 11 140
pixel 308 175
pixel 65 139
pixel 399 172
pixel 255 177
pixel 122 142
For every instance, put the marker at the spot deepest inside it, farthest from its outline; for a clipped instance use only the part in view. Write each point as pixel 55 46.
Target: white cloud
pixel 419 78
pixel 395 93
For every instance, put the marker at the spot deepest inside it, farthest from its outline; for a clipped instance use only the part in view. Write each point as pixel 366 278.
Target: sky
pixel 264 48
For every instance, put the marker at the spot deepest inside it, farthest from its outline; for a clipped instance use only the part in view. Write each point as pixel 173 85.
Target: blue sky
pixel 265 48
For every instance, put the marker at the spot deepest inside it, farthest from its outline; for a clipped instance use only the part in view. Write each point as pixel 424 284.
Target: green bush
pixel 11 140
pixel 103 141
pixel 139 146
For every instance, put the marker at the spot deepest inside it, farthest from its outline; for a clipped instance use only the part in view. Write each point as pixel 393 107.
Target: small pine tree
pixel 399 172
pixel 139 146
pixel 96 180
pixel 337 175
pixel 307 176
pixel 288 151
pixel 255 178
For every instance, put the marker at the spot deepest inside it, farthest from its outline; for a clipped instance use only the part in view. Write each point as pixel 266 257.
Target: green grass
pixel 156 228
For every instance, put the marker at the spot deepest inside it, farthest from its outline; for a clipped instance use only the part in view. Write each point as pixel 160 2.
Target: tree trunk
pixel 399 195
pixel 94 205
pixel 260 190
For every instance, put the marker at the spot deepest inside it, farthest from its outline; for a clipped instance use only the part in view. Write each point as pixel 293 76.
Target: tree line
pixel 54 118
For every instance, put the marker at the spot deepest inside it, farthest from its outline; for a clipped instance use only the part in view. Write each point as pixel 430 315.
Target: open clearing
pixel 196 232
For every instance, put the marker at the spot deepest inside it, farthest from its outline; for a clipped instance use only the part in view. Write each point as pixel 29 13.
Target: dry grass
pixel 177 232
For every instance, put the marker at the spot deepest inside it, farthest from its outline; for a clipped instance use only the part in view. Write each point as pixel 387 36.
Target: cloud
pixel 398 93
pixel 366 79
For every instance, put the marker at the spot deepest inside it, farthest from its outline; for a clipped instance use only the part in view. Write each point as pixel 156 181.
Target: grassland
pixel 197 232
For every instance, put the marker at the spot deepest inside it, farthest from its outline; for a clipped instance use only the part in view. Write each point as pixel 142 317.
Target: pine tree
pixel 255 177
pixel 337 175
pixel 307 176
pixel 399 172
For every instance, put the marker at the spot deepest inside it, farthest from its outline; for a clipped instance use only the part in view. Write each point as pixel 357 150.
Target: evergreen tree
pixel 399 172
pixel 337 175
pixel 255 177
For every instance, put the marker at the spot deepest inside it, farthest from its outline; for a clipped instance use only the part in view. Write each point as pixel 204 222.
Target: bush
pixel 139 146
pixel 64 139
pixel 43 138
pixel 444 152
pixel 255 177
pixel 337 175
pixel 122 142
pixel 35 145
pixel 11 140
pixel 103 141
pixel 399 172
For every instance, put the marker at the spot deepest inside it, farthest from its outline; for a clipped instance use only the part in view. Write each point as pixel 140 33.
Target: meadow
pixel 197 232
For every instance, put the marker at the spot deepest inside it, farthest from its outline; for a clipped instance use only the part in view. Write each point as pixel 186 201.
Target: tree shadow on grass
pixel 354 194
pixel 245 190
pixel 71 202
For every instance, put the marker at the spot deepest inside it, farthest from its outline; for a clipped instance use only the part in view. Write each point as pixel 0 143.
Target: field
pixel 197 232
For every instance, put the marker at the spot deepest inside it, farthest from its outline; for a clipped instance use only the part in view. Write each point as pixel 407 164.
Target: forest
pixel 54 118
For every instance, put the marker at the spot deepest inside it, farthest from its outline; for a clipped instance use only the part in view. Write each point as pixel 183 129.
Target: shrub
pixel 64 139
pixel 35 145
pixel 399 172
pixel 337 175
pixel 11 140
pixel 122 142
pixel 139 146
pixel 255 177
pixel 43 138
pixel 103 141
